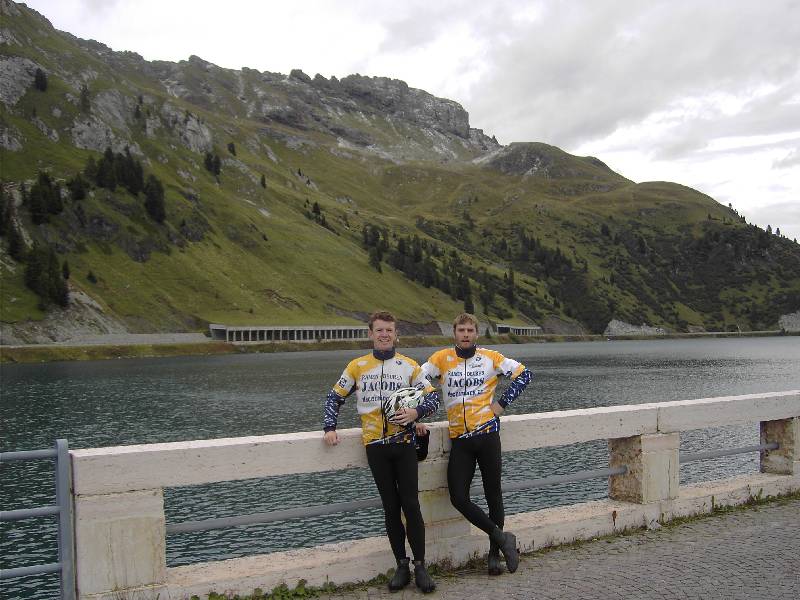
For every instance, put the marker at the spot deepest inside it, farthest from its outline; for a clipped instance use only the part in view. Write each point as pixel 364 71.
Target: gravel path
pixel 747 554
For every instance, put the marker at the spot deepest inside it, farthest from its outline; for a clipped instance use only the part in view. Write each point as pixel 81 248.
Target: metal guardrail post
pixel 65 566
pixel 66 531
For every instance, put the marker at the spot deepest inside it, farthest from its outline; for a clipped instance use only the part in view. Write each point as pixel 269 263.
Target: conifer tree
pixel 469 306
pixel 106 176
pixel 375 259
pixel 486 295
pixel 90 170
pixel 16 246
pixel 510 292
pixel 263 181
pixel 6 211
pixel 57 289
pixel 154 199
pixel 40 80
pixel 77 187
pixel 37 205
pixel 232 148
pixel 36 270
pixel 50 193
pixel 85 102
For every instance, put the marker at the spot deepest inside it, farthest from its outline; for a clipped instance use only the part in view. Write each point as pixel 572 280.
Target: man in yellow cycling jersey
pixel 390 442
pixel 468 377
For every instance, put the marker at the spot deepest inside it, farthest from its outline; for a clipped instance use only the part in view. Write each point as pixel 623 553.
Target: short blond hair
pixel 465 318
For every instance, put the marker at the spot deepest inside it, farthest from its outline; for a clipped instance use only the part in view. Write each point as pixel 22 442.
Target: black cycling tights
pixel 465 453
pixel 394 468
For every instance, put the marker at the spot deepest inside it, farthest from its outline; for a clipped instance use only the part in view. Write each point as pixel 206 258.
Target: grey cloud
pixel 782 215
pixel 413 24
pixel 417 28
pixel 98 7
pixel 586 69
pixel 792 159
pixel 768 115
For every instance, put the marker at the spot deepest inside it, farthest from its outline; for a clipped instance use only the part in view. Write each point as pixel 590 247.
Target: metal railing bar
pixel 31 570
pixel 693 456
pixel 269 517
pixel 28 455
pixel 556 479
pixel 29 513
pixel 321 510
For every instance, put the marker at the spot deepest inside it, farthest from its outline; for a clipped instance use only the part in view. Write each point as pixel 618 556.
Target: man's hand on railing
pixel 331 437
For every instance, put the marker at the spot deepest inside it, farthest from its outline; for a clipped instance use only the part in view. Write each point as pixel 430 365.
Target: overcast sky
pixel 701 92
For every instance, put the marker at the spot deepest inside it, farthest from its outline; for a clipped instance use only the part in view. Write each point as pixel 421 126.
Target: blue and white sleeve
pixel 332 404
pixel 429 404
pixel 335 398
pixel 515 388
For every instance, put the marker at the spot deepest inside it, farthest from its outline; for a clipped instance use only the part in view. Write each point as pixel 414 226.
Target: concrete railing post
pixel 120 543
pixel 786 459
pixel 652 462
pixel 442 521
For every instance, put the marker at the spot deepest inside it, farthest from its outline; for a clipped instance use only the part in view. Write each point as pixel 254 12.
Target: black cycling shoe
pixel 422 578
pixel 507 543
pixel 402 576
pixel 495 568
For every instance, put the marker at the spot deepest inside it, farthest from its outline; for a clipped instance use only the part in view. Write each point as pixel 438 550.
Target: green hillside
pixel 334 198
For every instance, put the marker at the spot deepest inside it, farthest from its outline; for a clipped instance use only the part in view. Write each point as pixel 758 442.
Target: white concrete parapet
pixel 120 525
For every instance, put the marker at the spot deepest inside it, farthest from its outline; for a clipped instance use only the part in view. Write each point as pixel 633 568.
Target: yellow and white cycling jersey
pixel 373 381
pixel 468 385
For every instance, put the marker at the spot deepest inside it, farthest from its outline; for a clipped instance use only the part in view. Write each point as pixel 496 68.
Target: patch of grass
pixel 30 354
pixel 17 302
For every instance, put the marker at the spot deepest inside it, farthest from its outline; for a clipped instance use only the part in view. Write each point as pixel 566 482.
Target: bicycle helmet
pixel 406 397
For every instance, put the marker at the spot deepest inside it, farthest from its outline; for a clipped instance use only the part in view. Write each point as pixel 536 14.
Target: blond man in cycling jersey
pixel 468 377
pixel 389 440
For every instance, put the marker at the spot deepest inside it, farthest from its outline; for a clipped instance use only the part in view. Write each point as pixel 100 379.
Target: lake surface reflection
pixel 108 403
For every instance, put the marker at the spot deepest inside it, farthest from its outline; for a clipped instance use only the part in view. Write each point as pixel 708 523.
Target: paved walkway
pixel 745 554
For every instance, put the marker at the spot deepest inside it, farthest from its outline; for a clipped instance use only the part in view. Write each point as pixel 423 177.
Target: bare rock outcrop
pixel 90 133
pixel 192 133
pixel 394 97
pixel 114 109
pixel 790 322
pixel 557 326
pixel 10 138
pixel 82 317
pixel 16 76
pixel 616 327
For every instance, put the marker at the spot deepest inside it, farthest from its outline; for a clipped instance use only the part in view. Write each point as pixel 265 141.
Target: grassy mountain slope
pixel 341 159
